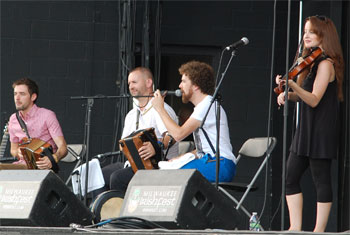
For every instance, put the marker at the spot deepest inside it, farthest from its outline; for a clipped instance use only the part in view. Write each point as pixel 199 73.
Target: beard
pixel 21 107
pixel 186 96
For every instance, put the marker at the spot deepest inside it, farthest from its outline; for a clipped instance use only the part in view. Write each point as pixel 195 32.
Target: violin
pixel 296 69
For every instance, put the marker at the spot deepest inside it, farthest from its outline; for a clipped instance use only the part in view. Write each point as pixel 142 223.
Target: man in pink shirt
pixel 41 123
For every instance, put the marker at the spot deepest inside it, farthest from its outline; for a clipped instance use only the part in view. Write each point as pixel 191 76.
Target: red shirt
pixel 41 123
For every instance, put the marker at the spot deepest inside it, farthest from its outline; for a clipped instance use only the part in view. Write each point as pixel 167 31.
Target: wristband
pixel 54 164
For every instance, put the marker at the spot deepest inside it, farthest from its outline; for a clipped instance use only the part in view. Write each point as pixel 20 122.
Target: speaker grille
pixel 38 198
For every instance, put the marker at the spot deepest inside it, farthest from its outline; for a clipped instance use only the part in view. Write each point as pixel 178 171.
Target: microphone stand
pixel 285 122
pixel 217 98
pixel 90 103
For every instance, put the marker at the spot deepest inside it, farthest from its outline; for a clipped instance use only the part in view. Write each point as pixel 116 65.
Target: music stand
pixel 90 103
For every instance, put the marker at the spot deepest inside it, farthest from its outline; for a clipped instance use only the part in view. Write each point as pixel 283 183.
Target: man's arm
pixel 45 163
pixel 61 148
pixel 176 131
pixel 55 131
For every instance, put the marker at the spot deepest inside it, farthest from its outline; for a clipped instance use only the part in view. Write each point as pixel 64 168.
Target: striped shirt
pixel 41 123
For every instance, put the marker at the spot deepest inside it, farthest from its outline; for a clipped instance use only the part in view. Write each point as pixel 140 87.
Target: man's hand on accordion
pixel 44 163
pixel 146 151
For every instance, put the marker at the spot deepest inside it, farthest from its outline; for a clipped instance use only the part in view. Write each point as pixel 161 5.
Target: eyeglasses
pixel 323 18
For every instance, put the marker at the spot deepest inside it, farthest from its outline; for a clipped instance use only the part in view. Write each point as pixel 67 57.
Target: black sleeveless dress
pixel 316 135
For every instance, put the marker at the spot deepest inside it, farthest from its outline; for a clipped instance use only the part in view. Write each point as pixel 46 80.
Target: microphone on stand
pixel 244 41
pixel 108 154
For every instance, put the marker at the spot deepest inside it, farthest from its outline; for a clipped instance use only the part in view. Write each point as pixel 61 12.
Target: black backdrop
pixel 72 48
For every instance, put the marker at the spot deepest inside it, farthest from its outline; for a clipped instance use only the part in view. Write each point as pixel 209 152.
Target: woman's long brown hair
pixel 325 29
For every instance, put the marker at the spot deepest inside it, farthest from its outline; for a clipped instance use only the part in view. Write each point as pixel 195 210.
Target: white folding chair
pixel 253 148
pixel 186 146
pixel 76 152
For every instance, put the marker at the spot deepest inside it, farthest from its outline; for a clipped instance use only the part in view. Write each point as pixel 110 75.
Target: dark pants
pixel 120 179
pixel 116 177
pixel 321 175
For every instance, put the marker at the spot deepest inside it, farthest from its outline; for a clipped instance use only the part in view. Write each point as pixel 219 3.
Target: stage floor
pixel 11 230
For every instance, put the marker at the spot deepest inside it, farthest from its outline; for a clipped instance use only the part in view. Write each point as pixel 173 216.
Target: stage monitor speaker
pixel 178 199
pixel 39 198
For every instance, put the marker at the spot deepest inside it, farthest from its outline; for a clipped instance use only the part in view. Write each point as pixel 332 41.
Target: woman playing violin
pixel 318 89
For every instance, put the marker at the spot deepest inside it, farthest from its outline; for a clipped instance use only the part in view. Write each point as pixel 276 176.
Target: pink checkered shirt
pixel 41 123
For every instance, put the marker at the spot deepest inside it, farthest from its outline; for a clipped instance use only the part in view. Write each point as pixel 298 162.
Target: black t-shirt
pixel 317 130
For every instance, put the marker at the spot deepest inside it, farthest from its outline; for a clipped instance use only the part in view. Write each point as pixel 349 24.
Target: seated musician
pixel 197 85
pixel 142 116
pixel 41 123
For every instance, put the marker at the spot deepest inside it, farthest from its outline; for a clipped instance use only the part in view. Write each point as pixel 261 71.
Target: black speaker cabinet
pixel 38 198
pixel 178 199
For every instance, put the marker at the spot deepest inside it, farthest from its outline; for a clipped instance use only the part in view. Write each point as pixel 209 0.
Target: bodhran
pixel 107 205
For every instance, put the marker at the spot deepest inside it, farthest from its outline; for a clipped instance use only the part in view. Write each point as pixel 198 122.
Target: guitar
pixel 3 145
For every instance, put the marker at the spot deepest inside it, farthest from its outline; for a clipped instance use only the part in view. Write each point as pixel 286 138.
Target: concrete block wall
pixel 71 49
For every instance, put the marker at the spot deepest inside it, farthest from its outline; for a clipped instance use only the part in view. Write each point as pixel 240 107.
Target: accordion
pixel 131 144
pixel 33 149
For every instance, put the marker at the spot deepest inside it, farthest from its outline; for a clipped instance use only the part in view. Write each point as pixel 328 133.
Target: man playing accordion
pixel 40 123
pixel 142 116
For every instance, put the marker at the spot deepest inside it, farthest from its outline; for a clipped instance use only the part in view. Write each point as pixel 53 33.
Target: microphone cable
pixel 126 30
pixel 285 118
pixel 127 222
pixel 219 66
pixel 157 43
pixel 267 167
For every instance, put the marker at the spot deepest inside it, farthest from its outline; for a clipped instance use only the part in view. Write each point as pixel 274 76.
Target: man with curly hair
pixel 197 86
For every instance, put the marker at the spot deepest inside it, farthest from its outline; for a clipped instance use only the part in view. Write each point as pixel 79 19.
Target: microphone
pixel 101 155
pixel 177 93
pixel 244 41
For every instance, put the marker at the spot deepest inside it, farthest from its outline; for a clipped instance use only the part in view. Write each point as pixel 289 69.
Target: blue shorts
pixel 207 166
